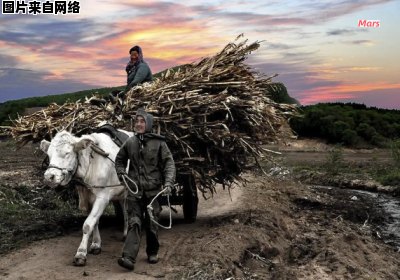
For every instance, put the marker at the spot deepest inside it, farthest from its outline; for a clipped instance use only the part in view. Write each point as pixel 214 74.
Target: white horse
pixel 89 161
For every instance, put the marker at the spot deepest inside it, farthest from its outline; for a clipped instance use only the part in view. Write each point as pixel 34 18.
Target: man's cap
pixel 148 118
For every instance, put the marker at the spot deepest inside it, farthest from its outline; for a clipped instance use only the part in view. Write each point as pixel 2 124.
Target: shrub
pixel 395 151
pixel 334 160
pixel 379 141
pixel 392 178
pixel 350 137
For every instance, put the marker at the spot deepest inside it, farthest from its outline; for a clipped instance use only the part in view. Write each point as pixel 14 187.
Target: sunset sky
pixel 316 47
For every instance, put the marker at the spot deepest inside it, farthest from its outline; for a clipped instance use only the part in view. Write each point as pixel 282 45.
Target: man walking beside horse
pixel 151 167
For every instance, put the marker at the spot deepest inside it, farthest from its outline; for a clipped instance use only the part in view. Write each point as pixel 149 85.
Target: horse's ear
pixel 44 145
pixel 82 144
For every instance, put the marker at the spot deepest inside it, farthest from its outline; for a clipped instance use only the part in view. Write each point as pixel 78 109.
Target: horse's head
pixel 63 157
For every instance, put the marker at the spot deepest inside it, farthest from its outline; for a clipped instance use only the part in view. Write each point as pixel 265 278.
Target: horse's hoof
pixel 79 261
pixel 95 251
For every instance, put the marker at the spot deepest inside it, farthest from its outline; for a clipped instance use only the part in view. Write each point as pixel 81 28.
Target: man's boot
pixel 126 263
pixel 153 259
pixel 131 248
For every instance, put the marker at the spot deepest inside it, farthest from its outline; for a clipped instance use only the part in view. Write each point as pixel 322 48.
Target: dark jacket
pixel 139 74
pixel 151 161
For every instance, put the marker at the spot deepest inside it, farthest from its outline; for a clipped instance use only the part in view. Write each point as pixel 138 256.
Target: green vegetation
pixel 349 124
pixel 392 175
pixel 395 151
pixel 34 213
pixel 20 206
pixel 334 160
pixel 278 93
pixel 11 109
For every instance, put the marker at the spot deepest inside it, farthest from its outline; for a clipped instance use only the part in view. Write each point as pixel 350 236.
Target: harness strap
pixel 94 187
pixel 101 152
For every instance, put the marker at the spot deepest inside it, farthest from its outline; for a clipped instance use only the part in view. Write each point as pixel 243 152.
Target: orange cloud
pixel 166 42
pixel 174 43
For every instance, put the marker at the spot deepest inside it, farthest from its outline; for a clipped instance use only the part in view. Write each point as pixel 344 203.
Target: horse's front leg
pixel 88 227
pixel 95 247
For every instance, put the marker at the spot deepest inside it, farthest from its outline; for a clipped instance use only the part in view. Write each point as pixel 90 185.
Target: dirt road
pixel 272 229
pixel 52 259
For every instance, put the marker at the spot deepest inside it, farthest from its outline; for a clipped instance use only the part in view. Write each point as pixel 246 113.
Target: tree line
pixel 349 124
pixel 11 109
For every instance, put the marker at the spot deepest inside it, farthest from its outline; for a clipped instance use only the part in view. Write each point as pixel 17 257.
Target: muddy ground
pixel 274 228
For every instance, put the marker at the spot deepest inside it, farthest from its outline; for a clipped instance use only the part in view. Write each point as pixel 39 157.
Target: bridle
pixel 65 171
pixel 72 171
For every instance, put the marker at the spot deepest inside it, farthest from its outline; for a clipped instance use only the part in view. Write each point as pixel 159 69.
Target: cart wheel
pixel 190 203
pixel 119 213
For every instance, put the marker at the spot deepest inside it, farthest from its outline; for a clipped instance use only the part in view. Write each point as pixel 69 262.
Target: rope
pixel 150 211
pixel 127 185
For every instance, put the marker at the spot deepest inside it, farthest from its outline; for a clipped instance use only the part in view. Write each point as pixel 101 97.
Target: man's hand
pixel 167 189
pixel 120 175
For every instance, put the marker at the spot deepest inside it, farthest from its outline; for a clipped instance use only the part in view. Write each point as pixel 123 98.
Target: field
pixel 277 227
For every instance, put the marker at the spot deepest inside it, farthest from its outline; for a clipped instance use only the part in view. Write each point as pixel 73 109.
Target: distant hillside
pixel 348 124
pixel 278 93
pixel 11 109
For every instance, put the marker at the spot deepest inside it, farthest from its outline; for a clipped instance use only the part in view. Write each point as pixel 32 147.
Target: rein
pixel 101 152
pixel 94 187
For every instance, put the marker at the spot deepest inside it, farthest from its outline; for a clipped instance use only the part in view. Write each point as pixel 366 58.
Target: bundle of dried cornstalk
pixel 215 115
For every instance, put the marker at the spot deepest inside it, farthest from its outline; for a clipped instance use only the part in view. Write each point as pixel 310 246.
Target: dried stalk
pixel 215 115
